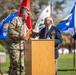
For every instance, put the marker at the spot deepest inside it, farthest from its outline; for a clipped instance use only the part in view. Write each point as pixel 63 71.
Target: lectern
pixel 39 57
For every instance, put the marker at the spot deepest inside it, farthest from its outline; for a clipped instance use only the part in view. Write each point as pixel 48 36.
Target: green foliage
pixel 58 5
pixel 2 42
pixel 42 2
pixel 6 6
pixel 31 1
pixel 2 49
pixel 64 41
pixel 5 66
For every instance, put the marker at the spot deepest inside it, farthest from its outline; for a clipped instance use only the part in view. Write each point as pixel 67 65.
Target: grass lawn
pixel 4 66
pixel 65 65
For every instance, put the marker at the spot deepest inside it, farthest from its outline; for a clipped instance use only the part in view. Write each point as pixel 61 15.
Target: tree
pixel 36 7
pixel 59 6
pixel 6 6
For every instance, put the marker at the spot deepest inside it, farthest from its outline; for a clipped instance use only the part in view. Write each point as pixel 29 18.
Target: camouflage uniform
pixel 15 45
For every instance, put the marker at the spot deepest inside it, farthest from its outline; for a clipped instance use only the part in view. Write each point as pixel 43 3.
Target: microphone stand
pixel 53 33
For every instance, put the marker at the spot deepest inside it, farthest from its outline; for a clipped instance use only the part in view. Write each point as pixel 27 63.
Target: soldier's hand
pixel 27 35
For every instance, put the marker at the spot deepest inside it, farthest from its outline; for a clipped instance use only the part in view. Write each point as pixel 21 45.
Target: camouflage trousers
pixel 16 62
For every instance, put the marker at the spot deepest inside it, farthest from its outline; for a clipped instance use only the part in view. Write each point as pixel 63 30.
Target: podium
pixel 39 57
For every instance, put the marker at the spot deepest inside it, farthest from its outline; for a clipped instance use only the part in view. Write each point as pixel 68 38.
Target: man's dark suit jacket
pixel 57 35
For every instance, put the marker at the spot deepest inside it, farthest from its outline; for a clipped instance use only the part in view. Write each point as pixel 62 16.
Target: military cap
pixel 23 8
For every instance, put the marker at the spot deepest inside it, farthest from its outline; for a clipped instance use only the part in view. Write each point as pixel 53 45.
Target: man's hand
pixel 27 35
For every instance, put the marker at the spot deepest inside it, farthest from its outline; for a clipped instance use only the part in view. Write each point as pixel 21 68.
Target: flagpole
pixel 74 50
pixel 74 53
pixel 51 8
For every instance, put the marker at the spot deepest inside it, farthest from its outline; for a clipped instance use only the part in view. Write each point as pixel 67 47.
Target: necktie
pixel 46 32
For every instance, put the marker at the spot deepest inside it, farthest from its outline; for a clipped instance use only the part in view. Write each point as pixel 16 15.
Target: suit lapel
pixel 51 29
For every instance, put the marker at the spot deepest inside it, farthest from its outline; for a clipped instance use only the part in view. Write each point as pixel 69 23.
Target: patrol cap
pixel 23 8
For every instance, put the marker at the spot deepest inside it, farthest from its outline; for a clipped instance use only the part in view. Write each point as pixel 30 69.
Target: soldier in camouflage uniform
pixel 15 42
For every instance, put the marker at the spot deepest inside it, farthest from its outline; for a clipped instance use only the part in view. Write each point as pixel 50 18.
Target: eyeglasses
pixel 47 20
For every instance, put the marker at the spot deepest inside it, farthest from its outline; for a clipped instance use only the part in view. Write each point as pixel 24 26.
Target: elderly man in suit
pixel 47 31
